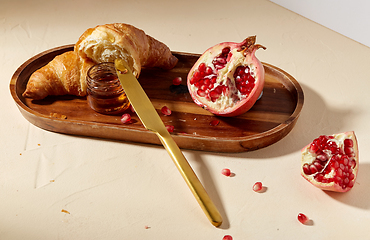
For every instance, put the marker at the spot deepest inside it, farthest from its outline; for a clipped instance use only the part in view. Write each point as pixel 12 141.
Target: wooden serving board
pixel 270 119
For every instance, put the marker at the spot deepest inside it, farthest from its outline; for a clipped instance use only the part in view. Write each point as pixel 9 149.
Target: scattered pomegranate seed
pixel 177 81
pixel 166 111
pixel 227 237
pixel 257 187
pixel 214 122
pixel 302 218
pixel 170 128
pixel 226 172
pixel 132 108
pixel 126 118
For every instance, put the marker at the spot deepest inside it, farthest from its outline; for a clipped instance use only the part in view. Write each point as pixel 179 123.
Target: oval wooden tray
pixel 270 119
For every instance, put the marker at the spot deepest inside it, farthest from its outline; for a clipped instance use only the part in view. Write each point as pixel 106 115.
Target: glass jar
pixel 104 91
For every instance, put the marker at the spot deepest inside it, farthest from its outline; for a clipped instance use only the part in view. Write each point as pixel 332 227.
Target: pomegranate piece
pixel 257 187
pixel 226 172
pixel 214 122
pixel 177 81
pixel 166 111
pixel 170 128
pixel 302 218
pixel 331 162
pixel 227 237
pixel 126 118
pixel 227 79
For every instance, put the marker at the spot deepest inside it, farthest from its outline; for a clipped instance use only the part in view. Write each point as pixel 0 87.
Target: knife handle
pixel 191 179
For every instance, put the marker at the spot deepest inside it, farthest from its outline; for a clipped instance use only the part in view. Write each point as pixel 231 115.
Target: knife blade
pixel 152 122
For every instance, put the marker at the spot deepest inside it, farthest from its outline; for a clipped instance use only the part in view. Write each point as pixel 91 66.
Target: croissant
pixel 105 43
pixel 66 73
pixel 63 75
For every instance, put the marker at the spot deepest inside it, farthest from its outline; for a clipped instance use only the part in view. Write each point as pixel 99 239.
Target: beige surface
pixel 113 190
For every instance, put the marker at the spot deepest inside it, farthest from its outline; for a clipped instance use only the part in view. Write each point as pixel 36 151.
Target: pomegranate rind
pixel 308 157
pixel 250 60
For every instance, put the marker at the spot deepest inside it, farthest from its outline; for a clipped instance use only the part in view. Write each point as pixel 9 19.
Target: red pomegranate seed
pixel 227 237
pixel 166 111
pixel 226 172
pixel 214 122
pixel 170 128
pixel 202 67
pixel 348 142
pixel 257 187
pixel 302 218
pixel 126 118
pixel 132 108
pixel 177 81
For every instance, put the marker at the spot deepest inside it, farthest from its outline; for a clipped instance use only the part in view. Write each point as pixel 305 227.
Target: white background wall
pixel 350 18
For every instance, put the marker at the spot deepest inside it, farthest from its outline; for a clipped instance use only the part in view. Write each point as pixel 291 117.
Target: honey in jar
pixel 104 91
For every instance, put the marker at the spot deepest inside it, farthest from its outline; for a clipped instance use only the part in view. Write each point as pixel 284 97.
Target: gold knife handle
pixel 190 178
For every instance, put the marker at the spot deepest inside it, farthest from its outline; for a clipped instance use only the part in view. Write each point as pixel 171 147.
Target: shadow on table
pixel 209 185
pixel 359 195
pixel 317 118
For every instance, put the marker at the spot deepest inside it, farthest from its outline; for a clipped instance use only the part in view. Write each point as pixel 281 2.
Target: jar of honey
pixel 104 91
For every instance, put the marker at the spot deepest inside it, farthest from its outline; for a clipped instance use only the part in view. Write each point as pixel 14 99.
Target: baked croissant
pixel 66 73
pixel 105 43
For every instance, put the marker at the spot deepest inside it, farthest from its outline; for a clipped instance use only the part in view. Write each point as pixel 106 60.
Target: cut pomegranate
pixel 257 187
pixel 126 118
pixel 227 79
pixel 227 237
pixel 170 128
pixel 302 218
pixel 226 172
pixel 166 111
pixel 331 162
pixel 177 81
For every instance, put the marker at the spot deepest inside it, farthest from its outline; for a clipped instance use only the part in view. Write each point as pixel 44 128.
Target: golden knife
pixel 151 121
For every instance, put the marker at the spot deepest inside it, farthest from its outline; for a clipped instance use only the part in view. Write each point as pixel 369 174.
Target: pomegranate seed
pixel 227 237
pixel 177 81
pixel 214 122
pixel 202 67
pixel 313 169
pixel 348 150
pixel 225 51
pixel 126 118
pixel 226 172
pixel 209 71
pixel 166 111
pixel 322 157
pixel 257 187
pixel 170 128
pixel 302 218
pixel 132 108
pixel 306 169
pixel 348 142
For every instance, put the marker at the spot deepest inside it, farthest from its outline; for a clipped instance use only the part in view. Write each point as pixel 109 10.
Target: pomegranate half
pixel 331 162
pixel 227 79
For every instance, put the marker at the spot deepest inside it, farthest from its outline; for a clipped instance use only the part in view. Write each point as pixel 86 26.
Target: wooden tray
pixel 270 119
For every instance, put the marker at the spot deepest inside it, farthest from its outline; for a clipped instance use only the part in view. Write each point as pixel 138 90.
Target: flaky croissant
pixel 66 73
pixel 105 43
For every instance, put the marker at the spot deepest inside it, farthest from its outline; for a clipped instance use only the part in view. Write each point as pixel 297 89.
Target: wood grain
pixel 270 119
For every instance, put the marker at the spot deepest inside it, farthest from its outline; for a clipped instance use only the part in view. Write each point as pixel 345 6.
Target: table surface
pixel 55 186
